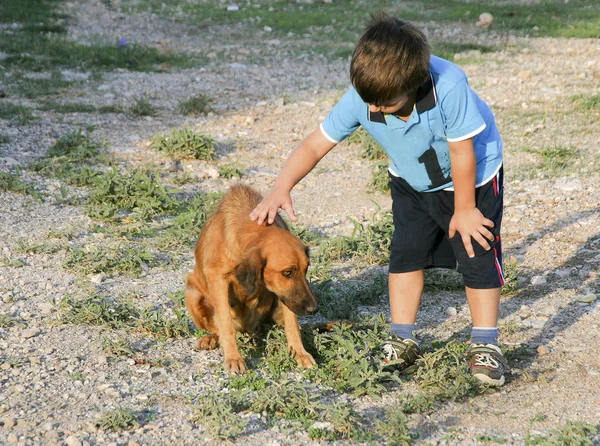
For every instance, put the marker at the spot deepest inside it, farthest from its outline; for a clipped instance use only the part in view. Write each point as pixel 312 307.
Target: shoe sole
pixel 490 381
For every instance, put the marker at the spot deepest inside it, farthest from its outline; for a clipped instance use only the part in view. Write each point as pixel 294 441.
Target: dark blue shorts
pixel 420 240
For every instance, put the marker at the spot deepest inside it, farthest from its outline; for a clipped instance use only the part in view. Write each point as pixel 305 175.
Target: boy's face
pixel 395 105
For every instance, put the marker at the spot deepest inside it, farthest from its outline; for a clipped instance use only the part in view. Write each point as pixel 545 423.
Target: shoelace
pixel 486 360
pixel 391 352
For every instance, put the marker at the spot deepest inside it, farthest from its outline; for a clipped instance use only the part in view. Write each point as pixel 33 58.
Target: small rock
pixel 538 280
pixel 485 20
pixel 543 350
pixel 9 422
pixel 97 279
pixel 30 333
pixel 593 372
pixel 451 312
pixel 586 298
pixel 72 440
pixel 12 438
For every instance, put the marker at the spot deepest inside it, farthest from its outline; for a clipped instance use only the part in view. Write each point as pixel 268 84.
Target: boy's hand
pixel 267 209
pixel 469 224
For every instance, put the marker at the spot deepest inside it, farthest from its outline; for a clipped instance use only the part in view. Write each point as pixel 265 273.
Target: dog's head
pixel 279 262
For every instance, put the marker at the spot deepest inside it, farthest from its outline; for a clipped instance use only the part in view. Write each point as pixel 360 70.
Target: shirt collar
pixel 426 100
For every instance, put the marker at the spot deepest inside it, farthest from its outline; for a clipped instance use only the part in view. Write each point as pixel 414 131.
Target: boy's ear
pixel 249 272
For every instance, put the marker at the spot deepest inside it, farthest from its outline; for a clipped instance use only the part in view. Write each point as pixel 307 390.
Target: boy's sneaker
pixel 401 353
pixel 487 364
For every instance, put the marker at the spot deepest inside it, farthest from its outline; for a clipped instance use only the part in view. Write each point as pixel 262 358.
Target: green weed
pixel 12 182
pixel 95 310
pixel 71 157
pixel 142 107
pixel 369 149
pixel 99 310
pixel 195 105
pixel 6 321
pixel 138 191
pixel 587 103
pixel 4 139
pixel 571 434
pixel 443 372
pixel 218 415
pixel 117 347
pixel 233 170
pixel 183 229
pixel 394 428
pixel 117 420
pixel 351 359
pixel 185 143
pixel 110 260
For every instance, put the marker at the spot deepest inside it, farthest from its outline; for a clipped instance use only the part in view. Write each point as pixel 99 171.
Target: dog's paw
pixel 208 342
pixel 235 365
pixel 305 360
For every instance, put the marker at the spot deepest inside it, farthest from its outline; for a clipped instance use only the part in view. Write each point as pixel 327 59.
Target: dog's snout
pixel 312 309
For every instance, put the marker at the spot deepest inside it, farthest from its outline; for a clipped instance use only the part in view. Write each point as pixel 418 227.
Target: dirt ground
pixel 265 104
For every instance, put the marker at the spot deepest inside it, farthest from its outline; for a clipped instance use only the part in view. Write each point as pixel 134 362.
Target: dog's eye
pixel 287 273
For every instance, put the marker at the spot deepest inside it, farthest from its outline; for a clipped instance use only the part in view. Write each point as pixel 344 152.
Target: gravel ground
pixel 55 379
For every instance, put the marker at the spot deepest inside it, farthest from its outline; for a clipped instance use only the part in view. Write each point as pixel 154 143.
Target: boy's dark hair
pixel 391 58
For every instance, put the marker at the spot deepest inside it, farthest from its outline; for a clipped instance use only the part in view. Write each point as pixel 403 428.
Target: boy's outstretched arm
pixel 467 219
pixel 302 160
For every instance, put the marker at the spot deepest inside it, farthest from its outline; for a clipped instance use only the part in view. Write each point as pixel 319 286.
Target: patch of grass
pixel 232 170
pixel 4 139
pixel 511 272
pixel 341 301
pixel 183 229
pixel 117 346
pixel 218 415
pixel 586 103
pixel 443 372
pixel 351 358
pixel 136 192
pixel 12 182
pixel 369 243
pixel 553 161
pixel 448 49
pixel 71 158
pixel 195 105
pixel 369 149
pixel 185 143
pixel 394 429
pixel 572 433
pixel 121 259
pixel 556 159
pixel 95 310
pixel 19 114
pixel 117 420
pixel 6 321
pixel 101 311
pixel 142 107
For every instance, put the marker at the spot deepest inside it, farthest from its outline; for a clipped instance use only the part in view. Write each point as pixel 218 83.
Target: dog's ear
pixel 249 272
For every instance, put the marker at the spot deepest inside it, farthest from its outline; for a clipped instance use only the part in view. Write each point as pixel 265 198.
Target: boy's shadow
pixel 566 316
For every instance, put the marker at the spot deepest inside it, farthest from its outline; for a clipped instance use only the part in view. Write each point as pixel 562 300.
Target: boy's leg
pixel 484 305
pixel 405 291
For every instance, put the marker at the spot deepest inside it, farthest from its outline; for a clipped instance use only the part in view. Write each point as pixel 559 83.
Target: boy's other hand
pixel 469 224
pixel 267 209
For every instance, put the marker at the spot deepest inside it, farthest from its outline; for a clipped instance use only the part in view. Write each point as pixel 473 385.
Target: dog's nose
pixel 312 309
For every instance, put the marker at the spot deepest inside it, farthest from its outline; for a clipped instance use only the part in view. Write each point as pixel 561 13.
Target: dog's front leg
pixel 231 356
pixel 283 316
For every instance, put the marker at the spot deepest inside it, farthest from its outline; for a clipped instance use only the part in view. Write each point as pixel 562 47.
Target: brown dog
pixel 246 274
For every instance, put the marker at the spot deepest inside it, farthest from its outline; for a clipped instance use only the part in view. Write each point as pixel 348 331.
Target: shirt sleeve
pixel 342 120
pixel 459 107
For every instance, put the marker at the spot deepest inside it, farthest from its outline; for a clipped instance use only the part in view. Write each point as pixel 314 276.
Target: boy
pixel 445 179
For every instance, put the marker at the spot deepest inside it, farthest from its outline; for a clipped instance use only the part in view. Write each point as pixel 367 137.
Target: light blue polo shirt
pixel 446 110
